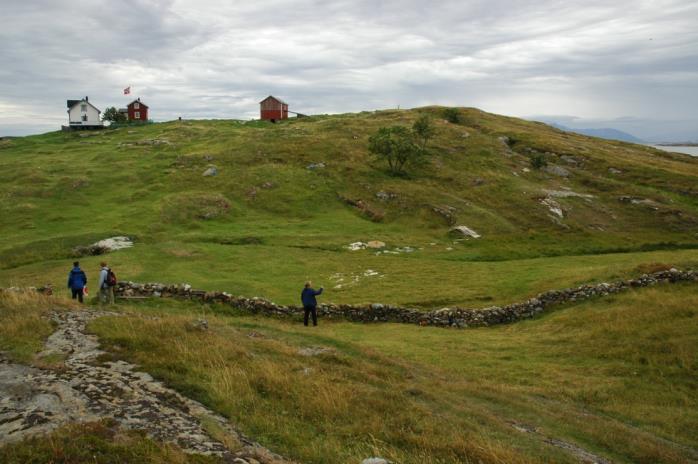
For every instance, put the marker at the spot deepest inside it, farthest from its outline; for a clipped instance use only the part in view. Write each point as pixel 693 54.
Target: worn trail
pixel 34 401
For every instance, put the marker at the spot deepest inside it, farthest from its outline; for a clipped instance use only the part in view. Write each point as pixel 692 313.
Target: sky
pixel 630 65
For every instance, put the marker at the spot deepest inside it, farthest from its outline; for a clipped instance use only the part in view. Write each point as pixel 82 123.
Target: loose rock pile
pixel 445 317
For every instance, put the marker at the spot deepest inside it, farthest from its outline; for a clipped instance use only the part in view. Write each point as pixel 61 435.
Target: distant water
pixel 693 151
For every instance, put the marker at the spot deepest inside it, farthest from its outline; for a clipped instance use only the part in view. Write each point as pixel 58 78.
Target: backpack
pixel 110 281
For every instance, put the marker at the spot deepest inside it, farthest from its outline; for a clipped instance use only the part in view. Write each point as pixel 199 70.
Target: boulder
pixel 553 206
pixel 199 324
pixel 114 243
pixel 210 172
pixel 504 140
pixel 557 170
pixel 571 160
pixel 314 166
pixel 376 244
pixel 385 196
pixel 464 231
pixel 103 246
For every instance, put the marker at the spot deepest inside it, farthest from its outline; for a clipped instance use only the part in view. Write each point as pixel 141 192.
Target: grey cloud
pixel 217 59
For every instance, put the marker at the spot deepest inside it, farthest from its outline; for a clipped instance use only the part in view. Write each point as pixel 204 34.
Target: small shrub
pixel 452 115
pixel 538 161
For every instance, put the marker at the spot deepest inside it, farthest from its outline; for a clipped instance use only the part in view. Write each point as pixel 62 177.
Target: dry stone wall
pixel 445 317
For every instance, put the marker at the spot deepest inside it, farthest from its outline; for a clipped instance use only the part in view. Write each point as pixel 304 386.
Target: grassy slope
pixel 616 376
pixel 24 325
pixel 60 190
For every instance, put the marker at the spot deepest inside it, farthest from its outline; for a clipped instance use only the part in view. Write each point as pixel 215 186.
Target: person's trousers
pixel 308 311
pixel 77 293
pixel 106 295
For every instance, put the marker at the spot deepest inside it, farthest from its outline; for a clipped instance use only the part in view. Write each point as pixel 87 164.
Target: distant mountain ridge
pixel 604 133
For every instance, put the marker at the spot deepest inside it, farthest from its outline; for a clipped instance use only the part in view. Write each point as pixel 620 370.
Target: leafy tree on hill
pixel 112 114
pixel 396 146
pixel 424 130
pixel 452 115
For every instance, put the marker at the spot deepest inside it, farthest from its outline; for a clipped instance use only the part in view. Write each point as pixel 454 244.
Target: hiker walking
pixel 77 280
pixel 107 281
pixel 309 302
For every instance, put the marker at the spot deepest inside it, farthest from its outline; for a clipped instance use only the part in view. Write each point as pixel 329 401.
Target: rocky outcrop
pixel 212 171
pixel 464 231
pixel 445 317
pixel 103 246
pixel 35 401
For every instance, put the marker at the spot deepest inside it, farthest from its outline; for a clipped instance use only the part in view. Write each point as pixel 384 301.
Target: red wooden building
pixel 137 111
pixel 272 109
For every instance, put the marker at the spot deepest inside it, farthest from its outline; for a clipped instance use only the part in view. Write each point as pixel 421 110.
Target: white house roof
pixel 77 102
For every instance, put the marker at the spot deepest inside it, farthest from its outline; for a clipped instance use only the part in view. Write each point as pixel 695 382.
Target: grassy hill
pixel 615 377
pixel 267 222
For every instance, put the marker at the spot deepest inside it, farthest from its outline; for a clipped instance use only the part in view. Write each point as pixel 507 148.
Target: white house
pixel 83 114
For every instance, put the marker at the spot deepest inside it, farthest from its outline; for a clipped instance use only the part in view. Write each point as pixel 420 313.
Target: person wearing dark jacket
pixel 309 302
pixel 77 280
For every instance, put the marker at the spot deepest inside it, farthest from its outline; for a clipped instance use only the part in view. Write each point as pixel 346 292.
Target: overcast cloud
pixel 632 65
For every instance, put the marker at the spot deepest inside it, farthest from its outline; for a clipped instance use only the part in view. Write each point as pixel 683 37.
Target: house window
pixel 83 108
pixel 84 117
pixel 137 115
pixel 136 106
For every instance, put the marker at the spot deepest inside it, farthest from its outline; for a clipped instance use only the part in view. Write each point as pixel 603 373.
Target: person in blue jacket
pixel 77 280
pixel 309 302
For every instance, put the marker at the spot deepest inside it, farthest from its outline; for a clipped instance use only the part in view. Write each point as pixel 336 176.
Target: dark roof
pixel 72 103
pixel 137 101
pixel 274 98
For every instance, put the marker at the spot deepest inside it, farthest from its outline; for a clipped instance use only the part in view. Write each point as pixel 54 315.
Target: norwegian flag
pixel 127 90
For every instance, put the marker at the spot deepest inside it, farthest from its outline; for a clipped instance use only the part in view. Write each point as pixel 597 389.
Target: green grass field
pixel 266 223
pixel 615 376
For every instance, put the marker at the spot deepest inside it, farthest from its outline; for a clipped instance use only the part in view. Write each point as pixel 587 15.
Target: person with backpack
pixel 77 280
pixel 309 302
pixel 107 282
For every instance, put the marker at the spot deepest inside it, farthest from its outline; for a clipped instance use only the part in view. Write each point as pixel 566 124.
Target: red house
pixel 137 111
pixel 272 109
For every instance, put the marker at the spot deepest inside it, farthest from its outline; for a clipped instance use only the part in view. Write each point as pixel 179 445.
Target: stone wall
pixel 446 317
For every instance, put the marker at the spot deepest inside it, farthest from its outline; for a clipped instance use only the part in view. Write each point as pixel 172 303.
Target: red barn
pixel 272 109
pixel 137 111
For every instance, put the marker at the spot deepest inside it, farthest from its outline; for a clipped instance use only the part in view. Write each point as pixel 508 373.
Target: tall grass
pixel 24 325
pixel 614 376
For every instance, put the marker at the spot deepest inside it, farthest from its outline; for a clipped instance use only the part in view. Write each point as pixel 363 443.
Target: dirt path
pixel 34 401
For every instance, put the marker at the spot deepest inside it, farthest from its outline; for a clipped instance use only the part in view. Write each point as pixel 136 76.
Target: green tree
pixel 396 146
pixel 424 130
pixel 452 115
pixel 112 114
